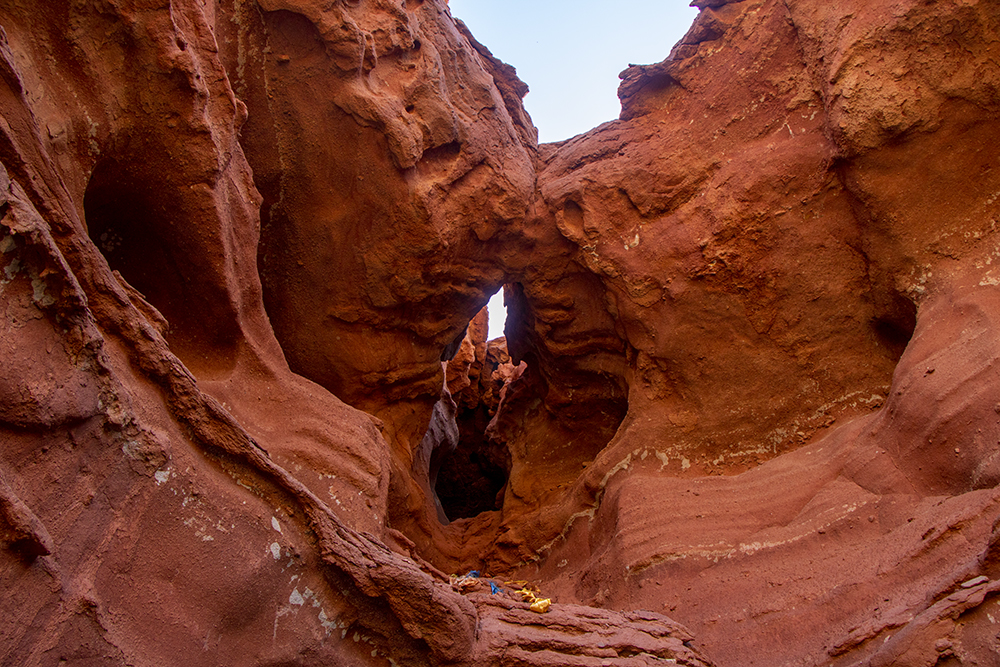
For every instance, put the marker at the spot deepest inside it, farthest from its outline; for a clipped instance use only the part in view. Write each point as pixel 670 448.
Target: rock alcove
pixel 141 229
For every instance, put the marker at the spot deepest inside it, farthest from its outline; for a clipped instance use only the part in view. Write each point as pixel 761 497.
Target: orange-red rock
pixel 783 239
pixel 248 414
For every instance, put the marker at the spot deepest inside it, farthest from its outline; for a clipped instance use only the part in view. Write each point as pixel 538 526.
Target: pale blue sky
pixel 570 54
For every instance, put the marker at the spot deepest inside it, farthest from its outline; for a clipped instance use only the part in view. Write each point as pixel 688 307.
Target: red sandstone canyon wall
pixel 747 410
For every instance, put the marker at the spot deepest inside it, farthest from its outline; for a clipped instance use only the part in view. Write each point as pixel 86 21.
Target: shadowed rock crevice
pixel 894 328
pixel 146 235
pixel 470 465
pixel 473 477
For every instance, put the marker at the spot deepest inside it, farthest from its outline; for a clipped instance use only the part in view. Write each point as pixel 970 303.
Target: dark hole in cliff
pixel 142 224
pixel 471 478
pixel 895 324
pixel 448 152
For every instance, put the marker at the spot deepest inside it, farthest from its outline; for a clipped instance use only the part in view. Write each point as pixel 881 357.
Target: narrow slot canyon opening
pixel 472 477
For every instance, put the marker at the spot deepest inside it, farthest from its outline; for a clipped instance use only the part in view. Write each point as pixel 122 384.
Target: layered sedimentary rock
pixel 249 415
pixel 793 227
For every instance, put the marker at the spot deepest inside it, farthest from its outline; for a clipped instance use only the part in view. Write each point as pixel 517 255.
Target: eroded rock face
pixel 391 169
pixel 162 466
pixel 751 382
pixel 791 250
pixel 395 160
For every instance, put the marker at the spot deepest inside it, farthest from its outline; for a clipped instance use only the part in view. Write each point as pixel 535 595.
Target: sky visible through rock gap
pixel 570 54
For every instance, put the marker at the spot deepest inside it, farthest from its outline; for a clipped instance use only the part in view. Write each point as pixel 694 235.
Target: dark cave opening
pixel 894 325
pixel 471 478
pixel 137 219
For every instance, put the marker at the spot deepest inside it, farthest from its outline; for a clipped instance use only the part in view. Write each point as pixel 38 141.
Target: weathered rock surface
pixel 796 274
pixel 248 414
